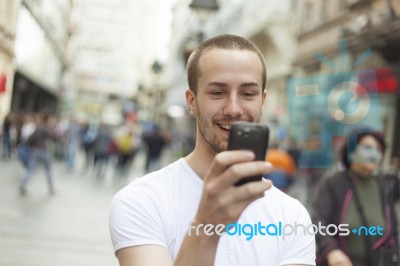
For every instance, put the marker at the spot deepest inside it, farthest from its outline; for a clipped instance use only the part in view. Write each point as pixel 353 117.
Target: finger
pixel 249 191
pixel 224 159
pixel 241 170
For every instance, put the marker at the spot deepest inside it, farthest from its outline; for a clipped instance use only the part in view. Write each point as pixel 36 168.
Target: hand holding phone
pixel 249 136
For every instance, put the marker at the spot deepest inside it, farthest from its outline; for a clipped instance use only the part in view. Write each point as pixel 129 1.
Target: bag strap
pixel 360 208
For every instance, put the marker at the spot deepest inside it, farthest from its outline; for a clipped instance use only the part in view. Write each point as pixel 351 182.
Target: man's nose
pixel 233 106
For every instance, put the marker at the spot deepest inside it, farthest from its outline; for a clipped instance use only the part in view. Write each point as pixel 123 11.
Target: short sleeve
pixel 299 247
pixel 135 218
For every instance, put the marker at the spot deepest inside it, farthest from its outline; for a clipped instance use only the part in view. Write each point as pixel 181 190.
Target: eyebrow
pixel 217 84
pixel 249 84
pixel 221 84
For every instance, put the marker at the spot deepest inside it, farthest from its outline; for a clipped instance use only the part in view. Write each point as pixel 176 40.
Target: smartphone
pixel 249 136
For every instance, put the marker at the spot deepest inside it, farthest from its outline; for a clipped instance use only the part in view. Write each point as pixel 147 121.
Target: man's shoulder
pixel 155 178
pixel 282 198
pixel 159 182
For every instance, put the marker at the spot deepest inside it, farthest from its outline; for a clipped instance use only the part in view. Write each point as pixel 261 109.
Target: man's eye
pixel 217 93
pixel 248 94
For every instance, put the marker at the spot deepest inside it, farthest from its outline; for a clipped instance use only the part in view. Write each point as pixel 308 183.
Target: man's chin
pixel 219 148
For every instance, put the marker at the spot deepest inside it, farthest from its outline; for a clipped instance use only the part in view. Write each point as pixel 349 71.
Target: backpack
pixel 125 144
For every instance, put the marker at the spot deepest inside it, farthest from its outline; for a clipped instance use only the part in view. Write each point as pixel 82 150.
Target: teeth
pixel 226 127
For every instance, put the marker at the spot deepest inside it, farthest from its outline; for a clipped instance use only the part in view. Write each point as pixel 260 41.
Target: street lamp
pixel 203 9
pixel 156 67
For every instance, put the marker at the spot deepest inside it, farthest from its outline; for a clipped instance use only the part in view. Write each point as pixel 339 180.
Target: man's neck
pixel 200 159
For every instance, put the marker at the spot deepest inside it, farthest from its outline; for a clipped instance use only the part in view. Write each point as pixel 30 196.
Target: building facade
pixel 8 23
pixel 32 53
pixel 359 41
pixel 111 51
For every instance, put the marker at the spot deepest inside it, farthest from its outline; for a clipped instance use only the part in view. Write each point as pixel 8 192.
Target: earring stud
pixel 190 111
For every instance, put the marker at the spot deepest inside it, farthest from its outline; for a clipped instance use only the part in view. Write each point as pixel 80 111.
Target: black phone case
pixel 249 136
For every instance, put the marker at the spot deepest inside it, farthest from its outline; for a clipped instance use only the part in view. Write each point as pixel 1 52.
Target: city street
pixel 70 228
pixel 154 81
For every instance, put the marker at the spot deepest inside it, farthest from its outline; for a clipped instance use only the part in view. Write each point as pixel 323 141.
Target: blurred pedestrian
pixel 294 151
pixel 101 150
pixel 72 142
pixel 137 139
pixel 124 144
pixel 155 143
pixel 27 129
pixel 7 142
pixel 18 124
pixel 38 142
pixel 358 196
pixel 59 148
pixel 88 135
pixel 313 164
pixel 283 168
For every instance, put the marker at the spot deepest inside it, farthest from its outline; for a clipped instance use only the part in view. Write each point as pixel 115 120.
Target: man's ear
pixel 264 97
pixel 190 101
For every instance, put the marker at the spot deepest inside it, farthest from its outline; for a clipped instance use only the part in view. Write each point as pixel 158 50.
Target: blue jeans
pixel 24 154
pixel 72 150
pixel 38 156
pixel 7 145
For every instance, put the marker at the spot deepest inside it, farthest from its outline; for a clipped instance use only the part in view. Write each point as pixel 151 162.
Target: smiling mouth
pixel 225 127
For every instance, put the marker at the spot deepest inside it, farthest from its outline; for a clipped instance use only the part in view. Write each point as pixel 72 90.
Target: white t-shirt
pixel 158 208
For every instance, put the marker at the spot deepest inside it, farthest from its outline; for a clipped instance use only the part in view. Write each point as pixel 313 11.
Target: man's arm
pixel 144 255
pixel 193 252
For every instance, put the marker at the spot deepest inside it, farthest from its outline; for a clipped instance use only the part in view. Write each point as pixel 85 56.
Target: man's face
pixel 229 89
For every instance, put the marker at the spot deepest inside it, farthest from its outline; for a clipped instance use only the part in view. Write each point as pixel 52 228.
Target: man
pixel 39 152
pixel 158 219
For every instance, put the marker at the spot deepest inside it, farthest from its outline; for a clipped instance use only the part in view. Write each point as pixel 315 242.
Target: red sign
pixel 382 81
pixel 386 80
pixel 3 82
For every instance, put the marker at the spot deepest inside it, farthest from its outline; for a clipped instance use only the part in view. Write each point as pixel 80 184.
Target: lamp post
pixel 203 9
pixel 157 69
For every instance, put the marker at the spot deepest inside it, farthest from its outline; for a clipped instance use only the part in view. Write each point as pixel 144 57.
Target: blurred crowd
pixel 357 189
pixel 36 139
pixel 103 144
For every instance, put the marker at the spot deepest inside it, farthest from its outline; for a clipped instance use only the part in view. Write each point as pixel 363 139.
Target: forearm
pixel 197 251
